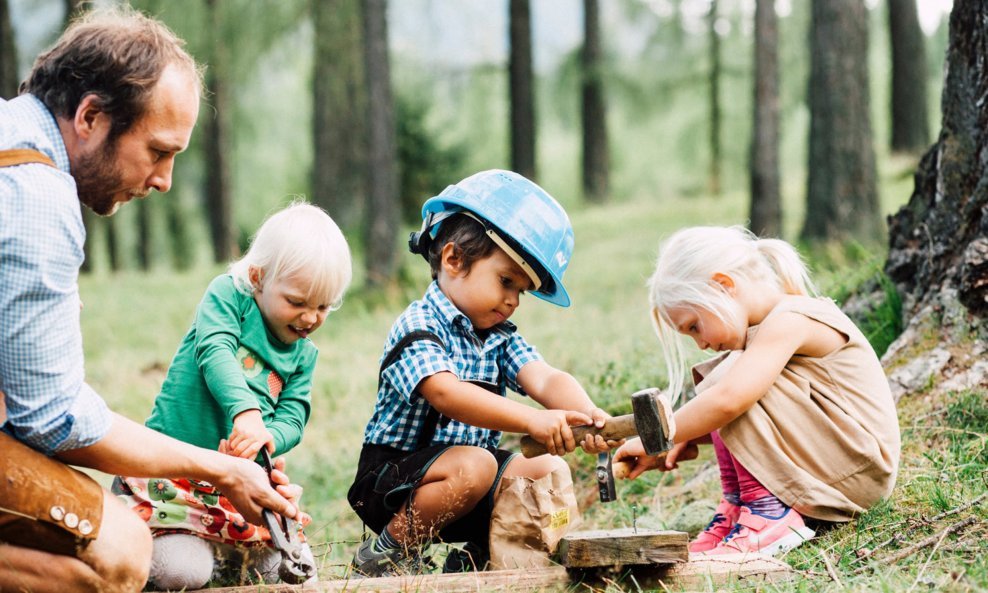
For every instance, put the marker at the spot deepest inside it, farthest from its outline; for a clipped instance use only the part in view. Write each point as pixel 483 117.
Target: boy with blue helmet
pixel 430 466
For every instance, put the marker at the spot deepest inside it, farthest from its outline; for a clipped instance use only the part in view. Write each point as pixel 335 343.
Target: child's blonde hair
pixel 684 274
pixel 301 240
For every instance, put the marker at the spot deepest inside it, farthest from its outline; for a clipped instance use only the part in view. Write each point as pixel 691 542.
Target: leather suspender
pixel 23 156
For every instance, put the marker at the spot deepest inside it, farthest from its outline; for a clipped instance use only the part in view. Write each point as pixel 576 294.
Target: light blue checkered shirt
pixel 400 413
pixel 49 405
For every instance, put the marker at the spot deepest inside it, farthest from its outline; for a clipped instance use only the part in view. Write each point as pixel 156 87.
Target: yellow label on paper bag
pixel 559 519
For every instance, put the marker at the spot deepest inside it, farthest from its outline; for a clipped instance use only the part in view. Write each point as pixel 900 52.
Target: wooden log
pixel 586 549
pixel 531 579
pixel 701 572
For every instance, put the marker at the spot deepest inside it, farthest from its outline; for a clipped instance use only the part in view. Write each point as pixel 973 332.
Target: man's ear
pixel 725 282
pixel 89 117
pixel 255 275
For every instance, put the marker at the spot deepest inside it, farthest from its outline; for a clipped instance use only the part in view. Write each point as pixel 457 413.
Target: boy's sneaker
pixel 724 519
pixel 469 559
pixel 765 535
pixel 368 562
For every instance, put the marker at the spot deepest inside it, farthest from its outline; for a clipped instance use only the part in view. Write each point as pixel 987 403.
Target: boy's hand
pixel 552 429
pixel 595 444
pixel 249 435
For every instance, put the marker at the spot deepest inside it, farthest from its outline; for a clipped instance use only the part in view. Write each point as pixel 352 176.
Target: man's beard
pixel 95 176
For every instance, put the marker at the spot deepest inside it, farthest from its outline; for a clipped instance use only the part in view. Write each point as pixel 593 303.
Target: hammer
pixel 651 419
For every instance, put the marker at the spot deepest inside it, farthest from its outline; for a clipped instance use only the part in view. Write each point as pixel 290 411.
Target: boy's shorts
pixel 386 477
pixel 44 504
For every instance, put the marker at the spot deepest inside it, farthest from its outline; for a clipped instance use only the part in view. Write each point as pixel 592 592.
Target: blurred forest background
pixel 369 108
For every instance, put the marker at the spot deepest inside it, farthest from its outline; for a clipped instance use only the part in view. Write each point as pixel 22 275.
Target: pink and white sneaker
pixel 724 519
pixel 765 535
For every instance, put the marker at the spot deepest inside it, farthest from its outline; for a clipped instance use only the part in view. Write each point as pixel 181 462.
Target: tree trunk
pixel 910 124
pixel 842 197
pixel 339 180
pixel 596 160
pixel 766 202
pixel 938 242
pixel 182 256
pixel 113 243
pixel 216 145
pixel 522 89
pixel 9 79
pixel 143 234
pixel 715 67
pixel 383 211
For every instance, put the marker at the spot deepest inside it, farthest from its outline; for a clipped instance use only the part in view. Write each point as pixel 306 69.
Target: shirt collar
pixel 30 109
pixel 452 317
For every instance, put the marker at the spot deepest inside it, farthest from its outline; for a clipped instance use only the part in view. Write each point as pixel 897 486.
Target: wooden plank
pixel 532 579
pixel 703 572
pixel 585 549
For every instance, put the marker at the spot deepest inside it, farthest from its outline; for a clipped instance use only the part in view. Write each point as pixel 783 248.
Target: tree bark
pixel 938 242
pixel 842 197
pixel 144 234
pixel 714 98
pixel 216 145
pixel 521 87
pixel 596 160
pixel 910 123
pixel 339 180
pixel 766 201
pixel 9 79
pixel 383 211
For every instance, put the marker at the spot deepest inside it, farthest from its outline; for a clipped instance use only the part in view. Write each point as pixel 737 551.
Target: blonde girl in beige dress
pixel 796 404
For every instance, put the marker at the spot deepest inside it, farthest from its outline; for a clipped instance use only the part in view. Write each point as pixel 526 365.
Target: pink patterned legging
pixel 734 478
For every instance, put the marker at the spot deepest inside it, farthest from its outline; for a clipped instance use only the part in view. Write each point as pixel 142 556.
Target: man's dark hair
pixel 469 239
pixel 117 55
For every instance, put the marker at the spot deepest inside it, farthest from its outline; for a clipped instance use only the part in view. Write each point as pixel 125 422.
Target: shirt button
pixel 85 527
pixel 57 513
pixel 71 520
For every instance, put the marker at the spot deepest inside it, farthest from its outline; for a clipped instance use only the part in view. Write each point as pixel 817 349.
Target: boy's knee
pixel 474 468
pixel 181 562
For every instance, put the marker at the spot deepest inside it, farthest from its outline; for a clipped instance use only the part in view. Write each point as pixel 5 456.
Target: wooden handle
pixel 615 429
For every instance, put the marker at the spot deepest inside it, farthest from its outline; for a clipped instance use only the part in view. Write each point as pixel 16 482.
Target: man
pixel 102 116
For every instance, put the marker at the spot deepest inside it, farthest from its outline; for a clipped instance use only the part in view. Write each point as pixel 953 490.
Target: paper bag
pixel 530 517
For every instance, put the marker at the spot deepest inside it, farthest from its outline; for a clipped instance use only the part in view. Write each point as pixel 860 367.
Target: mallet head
pixel 653 419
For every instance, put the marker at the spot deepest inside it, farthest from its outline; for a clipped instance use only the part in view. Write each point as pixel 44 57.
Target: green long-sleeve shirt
pixel 228 363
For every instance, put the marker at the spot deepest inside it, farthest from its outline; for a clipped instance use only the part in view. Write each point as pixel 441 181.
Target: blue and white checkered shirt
pixel 400 413
pixel 49 405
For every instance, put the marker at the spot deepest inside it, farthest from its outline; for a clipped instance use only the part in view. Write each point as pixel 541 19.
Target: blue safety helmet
pixel 519 216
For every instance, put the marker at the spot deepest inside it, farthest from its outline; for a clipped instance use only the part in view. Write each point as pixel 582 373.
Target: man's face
pixel 110 173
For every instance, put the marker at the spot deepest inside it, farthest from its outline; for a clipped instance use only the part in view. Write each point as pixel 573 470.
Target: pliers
pixel 294 568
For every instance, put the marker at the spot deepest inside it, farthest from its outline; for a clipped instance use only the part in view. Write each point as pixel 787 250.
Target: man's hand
pixel 249 435
pixel 552 429
pixel 246 485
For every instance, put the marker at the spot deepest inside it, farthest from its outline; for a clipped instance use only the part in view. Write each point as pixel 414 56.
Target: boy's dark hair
pixel 469 239
pixel 117 55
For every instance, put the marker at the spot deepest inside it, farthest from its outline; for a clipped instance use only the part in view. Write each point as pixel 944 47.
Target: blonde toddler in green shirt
pixel 239 382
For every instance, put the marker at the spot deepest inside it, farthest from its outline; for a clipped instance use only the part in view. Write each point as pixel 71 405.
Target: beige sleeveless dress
pixel 825 437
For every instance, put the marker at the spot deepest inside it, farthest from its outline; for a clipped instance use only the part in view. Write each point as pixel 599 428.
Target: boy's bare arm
pixel 476 406
pixel 559 390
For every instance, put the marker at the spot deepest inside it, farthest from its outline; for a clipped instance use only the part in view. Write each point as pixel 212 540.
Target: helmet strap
pixel 508 249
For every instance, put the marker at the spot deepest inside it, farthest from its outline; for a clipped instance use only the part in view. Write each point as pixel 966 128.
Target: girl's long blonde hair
pixel 301 239
pixel 684 273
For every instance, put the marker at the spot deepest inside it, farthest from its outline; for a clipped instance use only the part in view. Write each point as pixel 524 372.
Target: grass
pixel 132 324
